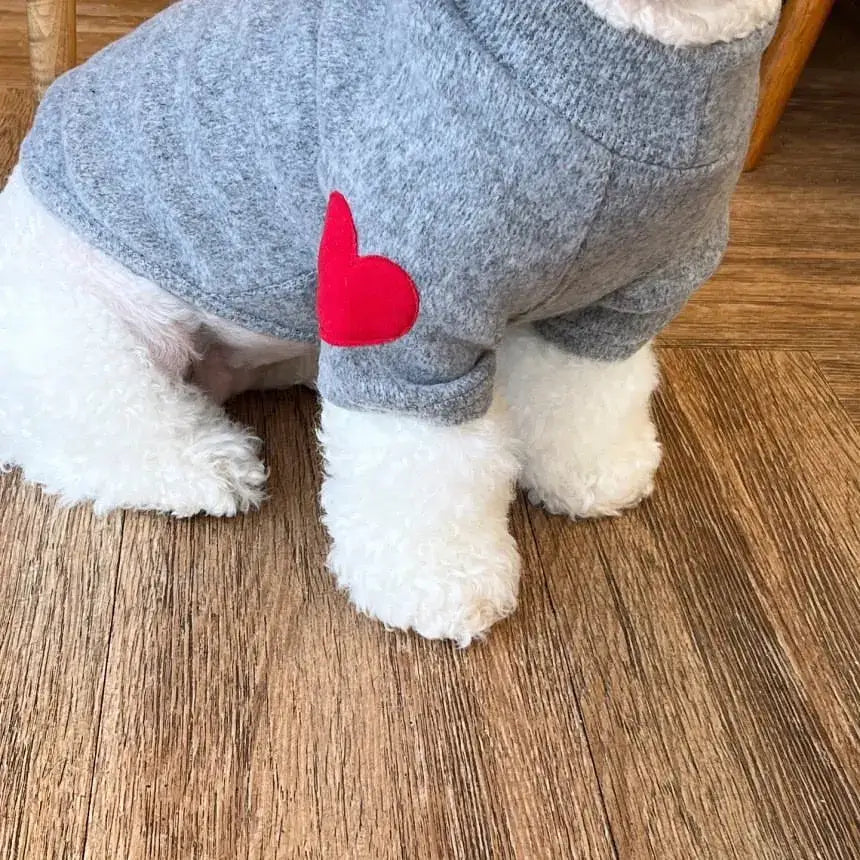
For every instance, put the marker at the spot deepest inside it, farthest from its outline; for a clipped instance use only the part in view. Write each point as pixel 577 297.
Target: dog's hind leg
pixel 86 408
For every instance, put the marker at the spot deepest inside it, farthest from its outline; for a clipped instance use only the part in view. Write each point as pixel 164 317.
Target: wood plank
pixel 665 760
pixel 16 109
pixel 57 592
pixel 804 530
pixel 709 692
pixel 240 675
pixel 14 45
pixel 842 372
pixel 101 22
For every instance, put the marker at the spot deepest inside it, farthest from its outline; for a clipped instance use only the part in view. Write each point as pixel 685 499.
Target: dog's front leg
pixel 418 516
pixel 589 444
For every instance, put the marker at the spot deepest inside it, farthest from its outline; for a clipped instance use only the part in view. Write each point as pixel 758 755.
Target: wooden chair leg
pixel 51 26
pixel 798 31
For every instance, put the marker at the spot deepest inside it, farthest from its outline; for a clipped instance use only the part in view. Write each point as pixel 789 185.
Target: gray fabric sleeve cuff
pixel 606 334
pixel 365 378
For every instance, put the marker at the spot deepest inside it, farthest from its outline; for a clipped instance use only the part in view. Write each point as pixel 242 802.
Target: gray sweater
pixel 521 161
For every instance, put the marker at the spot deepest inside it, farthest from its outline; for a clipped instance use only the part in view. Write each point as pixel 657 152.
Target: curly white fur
pixel 418 516
pixel 688 22
pixel 589 445
pixel 84 408
pixel 94 404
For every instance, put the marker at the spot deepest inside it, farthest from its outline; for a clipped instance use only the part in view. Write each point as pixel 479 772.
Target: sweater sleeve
pixel 621 323
pixel 439 379
pixel 477 252
pixel 452 174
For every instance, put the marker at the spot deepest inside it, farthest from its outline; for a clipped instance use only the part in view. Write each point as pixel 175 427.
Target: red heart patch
pixel 361 301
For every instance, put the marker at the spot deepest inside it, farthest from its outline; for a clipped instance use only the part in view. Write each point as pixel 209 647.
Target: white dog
pixel 111 391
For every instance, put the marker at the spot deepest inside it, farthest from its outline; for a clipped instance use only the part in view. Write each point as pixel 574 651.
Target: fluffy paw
pixel 223 476
pixel 589 446
pixel 84 409
pixel 418 516
pixel 218 472
pixel 618 477
pixel 456 589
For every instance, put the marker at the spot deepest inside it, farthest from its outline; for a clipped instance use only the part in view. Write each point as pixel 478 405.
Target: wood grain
pixel 711 594
pixel 805 578
pixel 681 682
pixel 799 27
pixel 52 26
pixel 57 590
pixel 16 110
pixel 841 370
pixel 329 732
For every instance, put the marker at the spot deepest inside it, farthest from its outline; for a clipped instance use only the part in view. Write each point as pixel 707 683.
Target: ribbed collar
pixel 635 94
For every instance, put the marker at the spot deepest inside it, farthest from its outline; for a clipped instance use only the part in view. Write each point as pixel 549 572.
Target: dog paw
pixel 588 444
pixel 418 516
pixel 445 591
pixel 617 478
pixel 225 476
pixel 217 472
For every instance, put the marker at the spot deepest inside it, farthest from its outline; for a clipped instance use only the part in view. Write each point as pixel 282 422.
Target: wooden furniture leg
pixel 798 31
pixel 51 27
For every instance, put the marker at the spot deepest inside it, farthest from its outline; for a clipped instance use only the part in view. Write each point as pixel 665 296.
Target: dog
pixel 463 222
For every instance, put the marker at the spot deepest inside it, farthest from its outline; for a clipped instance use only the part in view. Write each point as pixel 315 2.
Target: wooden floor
pixel 683 682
